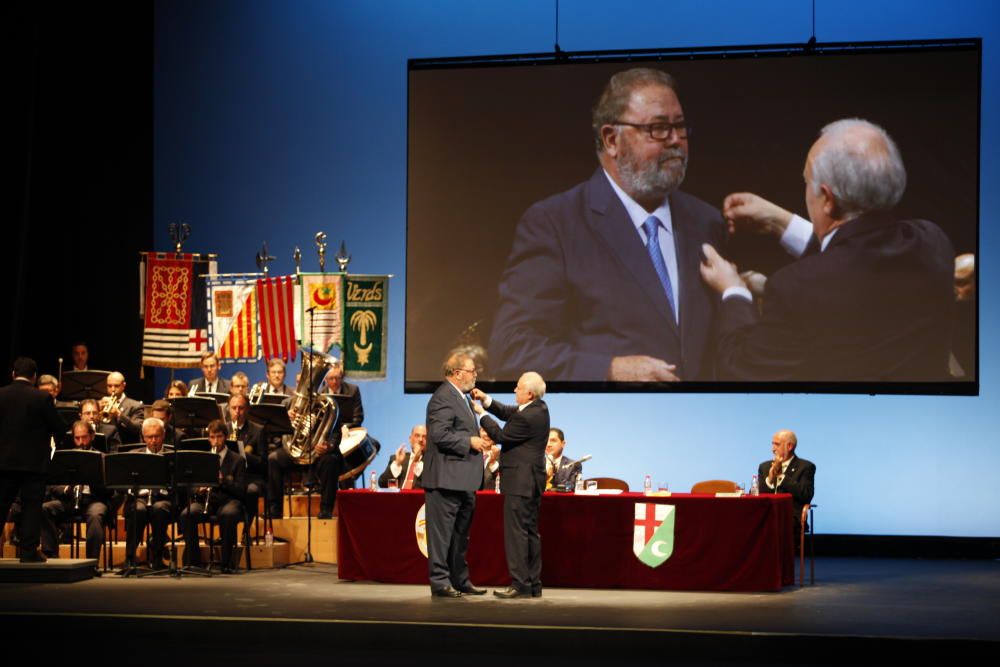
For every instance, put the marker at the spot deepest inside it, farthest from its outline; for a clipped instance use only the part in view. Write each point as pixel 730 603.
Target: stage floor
pixel 913 606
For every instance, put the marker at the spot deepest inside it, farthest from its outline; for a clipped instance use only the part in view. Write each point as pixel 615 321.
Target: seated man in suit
pixel 225 501
pixel 210 382
pixel 406 468
pixel 153 506
pixel 787 473
pixel 50 385
pixel 91 413
pixel 250 443
pixel 276 378
pixel 124 412
pixel 95 504
pixel 561 470
pixel 328 463
pixel 491 462
pixel 871 297
pixel 163 410
pixel 602 280
pixel 239 384
pixel 81 355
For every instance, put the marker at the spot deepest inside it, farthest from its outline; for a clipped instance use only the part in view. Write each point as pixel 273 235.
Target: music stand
pixel 132 471
pixel 221 399
pixel 193 470
pixel 78 385
pixel 273 418
pixel 193 411
pixel 68 414
pixel 138 447
pixel 194 445
pixel 273 399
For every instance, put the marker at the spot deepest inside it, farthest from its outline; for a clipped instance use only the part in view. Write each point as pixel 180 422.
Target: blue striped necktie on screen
pixel 651 226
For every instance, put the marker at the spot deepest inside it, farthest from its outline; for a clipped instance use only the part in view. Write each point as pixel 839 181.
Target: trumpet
pixel 110 404
pixel 256 392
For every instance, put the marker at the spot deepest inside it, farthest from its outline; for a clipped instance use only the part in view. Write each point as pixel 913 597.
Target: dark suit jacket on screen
pixel 876 305
pixel 579 288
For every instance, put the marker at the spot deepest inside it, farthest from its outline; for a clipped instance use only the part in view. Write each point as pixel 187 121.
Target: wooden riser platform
pixel 289 546
pixel 291 529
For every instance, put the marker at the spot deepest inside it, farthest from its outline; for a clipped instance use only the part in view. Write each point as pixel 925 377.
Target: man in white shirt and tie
pixel 602 280
pixel 407 467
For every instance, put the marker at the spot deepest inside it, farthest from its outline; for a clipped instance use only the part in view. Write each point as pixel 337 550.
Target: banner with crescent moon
pixel 366 310
pixel 320 324
pixel 653 533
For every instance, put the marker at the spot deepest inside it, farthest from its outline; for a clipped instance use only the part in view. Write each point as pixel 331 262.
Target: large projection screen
pixel 488 138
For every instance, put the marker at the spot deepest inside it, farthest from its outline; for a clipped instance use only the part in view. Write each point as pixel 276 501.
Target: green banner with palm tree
pixel 366 309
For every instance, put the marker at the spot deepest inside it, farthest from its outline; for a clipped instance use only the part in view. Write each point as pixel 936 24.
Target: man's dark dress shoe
pixel 33 557
pixel 511 593
pixel 448 592
pixel 472 590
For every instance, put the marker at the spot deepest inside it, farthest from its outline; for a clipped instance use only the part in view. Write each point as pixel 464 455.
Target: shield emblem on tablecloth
pixel 653 533
pixel 420 529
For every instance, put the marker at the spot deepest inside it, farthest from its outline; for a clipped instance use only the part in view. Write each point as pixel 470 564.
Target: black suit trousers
pixel 449 519
pixel 227 516
pixel 95 514
pixel 324 471
pixel 31 485
pixel 522 542
pixel 139 513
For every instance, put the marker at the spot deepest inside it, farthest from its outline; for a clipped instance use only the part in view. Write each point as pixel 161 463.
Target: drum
pixel 358 451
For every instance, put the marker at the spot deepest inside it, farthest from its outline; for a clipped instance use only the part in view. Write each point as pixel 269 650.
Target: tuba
pixel 310 423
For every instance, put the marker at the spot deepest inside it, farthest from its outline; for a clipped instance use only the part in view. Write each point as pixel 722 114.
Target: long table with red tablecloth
pixel 588 541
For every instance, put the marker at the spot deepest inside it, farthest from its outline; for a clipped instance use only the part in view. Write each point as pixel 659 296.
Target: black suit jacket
pixel 198 386
pixel 876 305
pixel 28 421
pixel 234 484
pixel 250 435
pixel 579 288
pixel 798 481
pixel 130 417
pixel 350 410
pixel 450 462
pixel 524 436
pixel 565 473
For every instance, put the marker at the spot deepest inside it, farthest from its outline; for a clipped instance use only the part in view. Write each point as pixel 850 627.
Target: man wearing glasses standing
pixel 602 282
pixel 453 471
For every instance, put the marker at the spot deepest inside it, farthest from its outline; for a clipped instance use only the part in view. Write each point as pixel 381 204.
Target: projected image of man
pixel 871 297
pixel 602 280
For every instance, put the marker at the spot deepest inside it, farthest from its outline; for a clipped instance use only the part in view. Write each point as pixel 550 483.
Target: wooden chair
pixel 715 486
pixel 807 513
pixel 609 483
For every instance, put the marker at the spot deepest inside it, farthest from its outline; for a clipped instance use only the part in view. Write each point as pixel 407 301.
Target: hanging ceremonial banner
pixel 176 326
pixel 232 319
pixel 276 301
pixel 365 326
pixel 322 327
pixel 653 533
